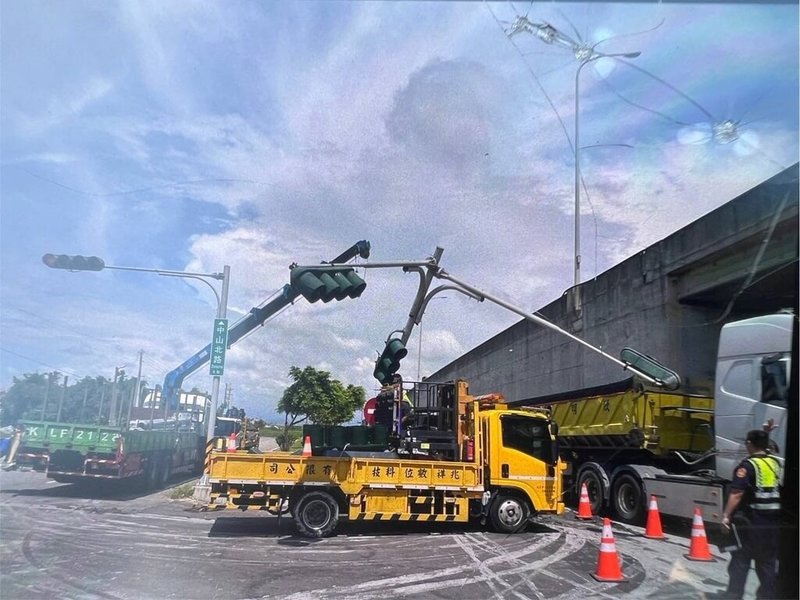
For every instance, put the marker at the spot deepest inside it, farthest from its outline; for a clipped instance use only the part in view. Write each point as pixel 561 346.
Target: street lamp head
pixel 520 25
pixel 546 32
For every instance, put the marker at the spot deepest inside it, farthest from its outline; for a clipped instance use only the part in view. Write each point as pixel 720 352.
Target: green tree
pixel 317 398
pixel 39 395
pixel 24 397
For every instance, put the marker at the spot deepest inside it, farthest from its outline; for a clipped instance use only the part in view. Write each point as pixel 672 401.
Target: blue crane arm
pixel 255 318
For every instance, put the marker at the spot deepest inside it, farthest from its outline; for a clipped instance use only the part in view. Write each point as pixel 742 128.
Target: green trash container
pixel 338 437
pixel 317 433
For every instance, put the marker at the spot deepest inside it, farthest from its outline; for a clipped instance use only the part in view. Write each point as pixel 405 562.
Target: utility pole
pixel 113 411
pixel 137 389
pixel 46 394
pixel 102 399
pixel 222 314
pixel 61 400
pixel 83 404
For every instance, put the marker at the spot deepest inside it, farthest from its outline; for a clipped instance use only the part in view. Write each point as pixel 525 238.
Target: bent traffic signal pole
pixel 639 364
pixel 74 263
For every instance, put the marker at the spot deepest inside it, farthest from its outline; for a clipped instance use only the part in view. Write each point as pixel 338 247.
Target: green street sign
pixel 219 343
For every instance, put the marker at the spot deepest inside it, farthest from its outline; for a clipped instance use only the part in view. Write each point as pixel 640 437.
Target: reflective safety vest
pixel 766 497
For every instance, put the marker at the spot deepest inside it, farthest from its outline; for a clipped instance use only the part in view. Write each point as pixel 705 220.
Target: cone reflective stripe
pixel 307 446
pixel 653 529
pixel 609 567
pixel 698 550
pixel 584 505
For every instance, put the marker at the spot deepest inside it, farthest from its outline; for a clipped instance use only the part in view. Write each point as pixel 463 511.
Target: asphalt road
pixel 66 541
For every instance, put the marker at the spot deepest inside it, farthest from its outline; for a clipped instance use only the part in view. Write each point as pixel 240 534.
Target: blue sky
pixel 187 136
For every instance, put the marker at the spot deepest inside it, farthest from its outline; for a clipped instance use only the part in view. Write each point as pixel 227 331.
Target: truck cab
pixel 751 385
pixel 520 455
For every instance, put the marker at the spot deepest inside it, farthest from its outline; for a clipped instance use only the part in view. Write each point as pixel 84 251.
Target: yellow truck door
pixel 521 457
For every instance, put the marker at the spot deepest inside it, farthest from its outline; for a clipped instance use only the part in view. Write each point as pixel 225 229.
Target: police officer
pixel 755 500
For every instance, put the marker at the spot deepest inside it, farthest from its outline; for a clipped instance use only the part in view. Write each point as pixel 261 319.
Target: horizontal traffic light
pixel 388 362
pixel 73 263
pixel 327 284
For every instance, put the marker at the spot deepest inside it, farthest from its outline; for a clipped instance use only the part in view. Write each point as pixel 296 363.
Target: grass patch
pixel 185 490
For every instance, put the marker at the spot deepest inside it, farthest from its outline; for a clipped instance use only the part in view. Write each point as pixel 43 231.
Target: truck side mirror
pixel 554 449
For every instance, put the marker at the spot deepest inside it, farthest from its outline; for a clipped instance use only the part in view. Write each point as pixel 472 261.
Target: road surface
pixel 65 541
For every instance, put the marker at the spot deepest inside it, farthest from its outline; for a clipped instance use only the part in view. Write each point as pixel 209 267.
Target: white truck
pixel 629 442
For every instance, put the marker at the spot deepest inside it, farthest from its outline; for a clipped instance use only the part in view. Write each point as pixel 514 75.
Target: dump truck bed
pixel 621 416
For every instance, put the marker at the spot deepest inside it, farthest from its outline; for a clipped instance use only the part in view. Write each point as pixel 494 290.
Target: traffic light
pixel 389 362
pixel 73 263
pixel 327 284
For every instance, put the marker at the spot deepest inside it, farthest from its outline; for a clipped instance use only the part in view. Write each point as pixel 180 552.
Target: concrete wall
pixel 668 301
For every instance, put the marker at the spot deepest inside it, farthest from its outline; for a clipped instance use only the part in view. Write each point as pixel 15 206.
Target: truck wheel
pixel 165 471
pixel 151 473
pixel 317 514
pixel 627 497
pixel 508 513
pixel 594 487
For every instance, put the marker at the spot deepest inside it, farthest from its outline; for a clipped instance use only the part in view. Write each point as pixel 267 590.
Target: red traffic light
pixel 73 263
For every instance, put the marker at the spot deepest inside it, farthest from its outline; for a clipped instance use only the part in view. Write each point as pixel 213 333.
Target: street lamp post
pixel 585 54
pixel 580 53
pixel 222 310
pixel 137 389
pixel 93 263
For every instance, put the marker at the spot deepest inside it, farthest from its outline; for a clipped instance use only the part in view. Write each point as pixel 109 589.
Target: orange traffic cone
pixel 584 506
pixel 698 550
pixel 653 529
pixel 307 446
pixel 608 562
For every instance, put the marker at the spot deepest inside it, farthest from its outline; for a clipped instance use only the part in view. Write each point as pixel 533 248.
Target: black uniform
pixel 758 523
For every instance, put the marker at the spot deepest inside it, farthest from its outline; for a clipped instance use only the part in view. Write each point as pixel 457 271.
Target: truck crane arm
pixel 255 318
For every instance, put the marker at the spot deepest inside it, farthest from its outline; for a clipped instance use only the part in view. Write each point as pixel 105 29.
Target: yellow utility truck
pixel 453 457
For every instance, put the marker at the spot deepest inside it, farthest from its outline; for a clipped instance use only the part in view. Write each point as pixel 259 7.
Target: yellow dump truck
pixel 453 458
pixel 625 442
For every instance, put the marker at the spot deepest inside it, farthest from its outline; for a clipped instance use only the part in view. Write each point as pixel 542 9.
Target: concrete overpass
pixel 669 300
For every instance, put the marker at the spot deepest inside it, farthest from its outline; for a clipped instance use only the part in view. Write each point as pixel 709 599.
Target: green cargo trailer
pixel 78 451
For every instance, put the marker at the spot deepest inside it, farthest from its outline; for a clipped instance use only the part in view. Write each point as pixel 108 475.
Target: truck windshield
pixel 528 435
